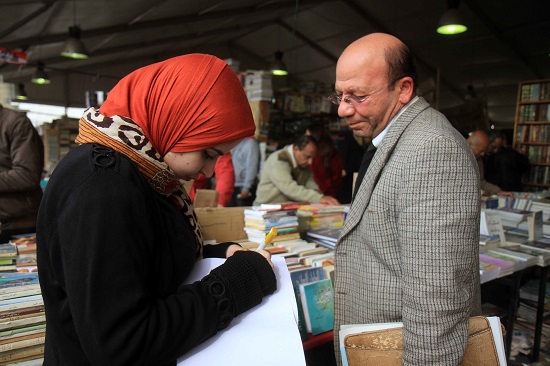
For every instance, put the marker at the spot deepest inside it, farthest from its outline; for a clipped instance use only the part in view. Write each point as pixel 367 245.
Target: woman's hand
pixel 235 248
pixel 232 249
pixel 267 256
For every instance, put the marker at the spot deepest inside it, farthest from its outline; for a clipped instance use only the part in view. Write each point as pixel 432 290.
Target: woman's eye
pixel 207 155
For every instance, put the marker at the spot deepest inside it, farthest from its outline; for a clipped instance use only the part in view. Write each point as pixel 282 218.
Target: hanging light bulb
pixel 278 67
pixel 74 48
pixel 40 76
pixel 20 93
pixel 451 21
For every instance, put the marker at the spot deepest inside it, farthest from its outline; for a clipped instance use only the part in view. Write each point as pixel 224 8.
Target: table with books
pixel 507 263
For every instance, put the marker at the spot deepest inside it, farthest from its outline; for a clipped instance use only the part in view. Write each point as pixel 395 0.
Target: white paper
pixel 494 321
pixel 266 335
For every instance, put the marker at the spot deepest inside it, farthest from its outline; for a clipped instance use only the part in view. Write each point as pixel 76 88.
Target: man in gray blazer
pixel 408 250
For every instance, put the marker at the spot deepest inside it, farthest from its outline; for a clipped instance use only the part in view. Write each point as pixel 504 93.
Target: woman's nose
pixel 208 167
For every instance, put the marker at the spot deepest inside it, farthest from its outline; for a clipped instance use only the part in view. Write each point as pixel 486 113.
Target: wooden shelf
pixel 532 129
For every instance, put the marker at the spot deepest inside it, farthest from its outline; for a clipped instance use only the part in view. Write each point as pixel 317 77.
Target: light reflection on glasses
pixel 354 100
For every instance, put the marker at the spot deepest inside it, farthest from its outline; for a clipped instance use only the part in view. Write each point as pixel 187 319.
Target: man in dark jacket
pixel 505 166
pixel 21 163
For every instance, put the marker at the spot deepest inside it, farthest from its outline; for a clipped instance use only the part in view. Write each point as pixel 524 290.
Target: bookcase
pixel 532 130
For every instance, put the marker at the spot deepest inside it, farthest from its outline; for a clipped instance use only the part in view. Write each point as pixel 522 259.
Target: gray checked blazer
pixel 409 249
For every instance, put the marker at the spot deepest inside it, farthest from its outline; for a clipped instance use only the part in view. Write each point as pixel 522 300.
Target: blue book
pixel 297 278
pixel 318 304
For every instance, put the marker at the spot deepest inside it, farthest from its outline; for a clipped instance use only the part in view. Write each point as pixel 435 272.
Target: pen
pixel 268 238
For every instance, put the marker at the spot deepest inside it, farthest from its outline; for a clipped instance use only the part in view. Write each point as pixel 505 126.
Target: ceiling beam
pixel 497 33
pixel 28 18
pixel 120 28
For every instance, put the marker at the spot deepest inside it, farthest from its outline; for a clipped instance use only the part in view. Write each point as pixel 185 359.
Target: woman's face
pixel 188 165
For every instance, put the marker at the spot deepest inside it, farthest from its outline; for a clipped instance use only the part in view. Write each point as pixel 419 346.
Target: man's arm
pixel 438 227
pixel 281 177
pixel 252 165
pixel 27 158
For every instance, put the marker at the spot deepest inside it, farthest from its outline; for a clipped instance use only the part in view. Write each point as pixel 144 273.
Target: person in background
pixel 352 149
pixel 224 180
pixel 117 234
pixel 246 162
pixel 479 143
pixel 286 175
pixel 409 248
pixel 504 165
pixel 21 164
pixel 327 165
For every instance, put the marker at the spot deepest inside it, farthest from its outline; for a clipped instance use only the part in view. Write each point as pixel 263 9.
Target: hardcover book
pixel 298 277
pixel 318 304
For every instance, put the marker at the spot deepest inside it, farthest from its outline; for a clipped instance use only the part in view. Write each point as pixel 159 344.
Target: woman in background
pixel 117 234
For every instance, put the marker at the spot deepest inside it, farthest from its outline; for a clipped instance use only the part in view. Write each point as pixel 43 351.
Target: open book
pixel 351 329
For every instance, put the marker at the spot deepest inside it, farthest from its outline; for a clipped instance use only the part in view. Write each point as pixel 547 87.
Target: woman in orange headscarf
pixel 117 234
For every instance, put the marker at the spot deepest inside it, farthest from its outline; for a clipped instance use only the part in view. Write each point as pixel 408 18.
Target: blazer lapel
pixel 383 154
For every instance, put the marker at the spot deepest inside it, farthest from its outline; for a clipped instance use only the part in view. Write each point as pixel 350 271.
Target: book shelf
pixel 532 130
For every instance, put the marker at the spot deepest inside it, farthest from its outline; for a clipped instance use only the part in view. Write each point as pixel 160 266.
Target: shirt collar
pixel 290 150
pixel 378 139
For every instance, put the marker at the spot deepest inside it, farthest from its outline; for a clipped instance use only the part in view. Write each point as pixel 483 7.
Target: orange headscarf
pixel 186 103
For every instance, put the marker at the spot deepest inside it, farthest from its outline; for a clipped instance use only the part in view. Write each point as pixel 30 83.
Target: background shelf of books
pixel 532 130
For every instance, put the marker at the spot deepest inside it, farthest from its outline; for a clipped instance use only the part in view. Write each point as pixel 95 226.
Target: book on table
pixel 505 267
pixel 527 259
pixel 542 255
pixel 298 277
pixel 318 304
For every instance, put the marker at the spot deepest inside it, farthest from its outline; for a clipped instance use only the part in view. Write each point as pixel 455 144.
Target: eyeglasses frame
pixel 337 99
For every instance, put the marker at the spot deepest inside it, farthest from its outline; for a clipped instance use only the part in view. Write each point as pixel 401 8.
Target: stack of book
pixel 488 272
pixel 300 254
pixel 8 254
pixel 316 215
pixel 258 221
pixel 523 260
pixel 324 236
pixel 488 242
pixel 518 263
pixel 22 318
pixel 505 268
pixel 26 252
pixel 542 255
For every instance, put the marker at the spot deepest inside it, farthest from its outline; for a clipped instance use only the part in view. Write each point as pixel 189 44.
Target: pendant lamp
pixel 451 21
pixel 278 67
pixel 40 76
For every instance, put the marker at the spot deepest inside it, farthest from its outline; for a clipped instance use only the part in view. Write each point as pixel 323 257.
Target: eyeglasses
pixel 355 100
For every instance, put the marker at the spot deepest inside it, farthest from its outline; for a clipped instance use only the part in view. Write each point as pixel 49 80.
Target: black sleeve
pixel 216 250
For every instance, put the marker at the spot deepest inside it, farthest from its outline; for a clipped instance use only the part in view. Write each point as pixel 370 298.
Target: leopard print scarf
pixel 125 136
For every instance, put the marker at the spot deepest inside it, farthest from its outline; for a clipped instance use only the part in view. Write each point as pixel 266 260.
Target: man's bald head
pixel 479 143
pixel 378 52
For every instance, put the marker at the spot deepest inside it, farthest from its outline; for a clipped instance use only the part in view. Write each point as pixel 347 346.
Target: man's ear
pixel 406 87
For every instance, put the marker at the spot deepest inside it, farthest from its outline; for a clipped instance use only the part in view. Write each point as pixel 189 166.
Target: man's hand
pixel 328 200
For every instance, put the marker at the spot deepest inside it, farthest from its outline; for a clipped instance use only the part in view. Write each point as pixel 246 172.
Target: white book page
pixel 266 335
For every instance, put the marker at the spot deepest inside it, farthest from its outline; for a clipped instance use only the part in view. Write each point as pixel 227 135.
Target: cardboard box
pixel 222 223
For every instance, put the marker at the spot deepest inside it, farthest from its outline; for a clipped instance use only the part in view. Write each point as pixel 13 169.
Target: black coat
pixel 112 256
